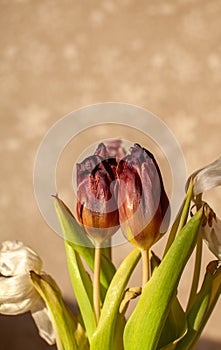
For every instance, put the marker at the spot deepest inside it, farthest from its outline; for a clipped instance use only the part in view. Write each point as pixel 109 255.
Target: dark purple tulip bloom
pixel 96 206
pixel 142 201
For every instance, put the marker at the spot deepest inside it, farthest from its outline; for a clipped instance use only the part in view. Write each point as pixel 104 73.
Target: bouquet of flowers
pixel 124 189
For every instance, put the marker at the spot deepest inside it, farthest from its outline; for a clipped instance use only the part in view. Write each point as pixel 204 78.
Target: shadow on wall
pixel 20 333
pixel 208 344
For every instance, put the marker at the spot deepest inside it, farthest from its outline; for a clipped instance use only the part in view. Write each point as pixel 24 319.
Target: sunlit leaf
pixel 144 327
pixel 104 335
pixel 175 327
pixel 181 218
pixel 83 289
pixel 203 306
pixel 119 331
pixel 64 321
pixel 176 324
pixel 79 241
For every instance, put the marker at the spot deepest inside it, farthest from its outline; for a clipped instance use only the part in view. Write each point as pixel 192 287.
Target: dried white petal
pixel 17 294
pixel 212 236
pixel 203 180
pixel 16 259
pixel 207 177
pixel 42 319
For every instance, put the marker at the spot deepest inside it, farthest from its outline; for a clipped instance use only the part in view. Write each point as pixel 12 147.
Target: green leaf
pixel 119 331
pixel 181 217
pixel 175 327
pixel 203 306
pixel 104 335
pixel 81 339
pixel 145 325
pixel 64 322
pixel 83 289
pixel 176 324
pixel 107 250
pixel 78 240
pixel 196 274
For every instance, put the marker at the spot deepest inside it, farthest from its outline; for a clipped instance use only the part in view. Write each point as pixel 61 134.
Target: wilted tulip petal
pixel 112 149
pixel 42 320
pixel 203 180
pixel 212 236
pixel 17 295
pixel 142 201
pixel 16 259
pixel 207 177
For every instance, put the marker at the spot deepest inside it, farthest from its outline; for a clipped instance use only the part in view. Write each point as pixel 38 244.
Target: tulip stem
pixel 145 266
pixel 96 289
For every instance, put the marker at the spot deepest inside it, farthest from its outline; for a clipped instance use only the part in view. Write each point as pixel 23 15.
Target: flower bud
pixel 142 201
pixel 96 207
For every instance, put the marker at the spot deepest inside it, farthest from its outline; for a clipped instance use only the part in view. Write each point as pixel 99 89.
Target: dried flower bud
pixel 142 201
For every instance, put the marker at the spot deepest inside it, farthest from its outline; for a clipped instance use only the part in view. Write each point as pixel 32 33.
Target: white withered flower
pixel 211 231
pixel 203 180
pixel 17 294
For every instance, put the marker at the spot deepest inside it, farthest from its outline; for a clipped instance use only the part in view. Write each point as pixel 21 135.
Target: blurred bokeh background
pixel 57 56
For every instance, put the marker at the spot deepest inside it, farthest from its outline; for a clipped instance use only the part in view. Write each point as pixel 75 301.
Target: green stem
pixel 145 266
pixel 196 274
pixel 96 289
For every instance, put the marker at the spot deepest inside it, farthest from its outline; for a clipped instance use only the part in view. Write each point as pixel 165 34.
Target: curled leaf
pixel 130 293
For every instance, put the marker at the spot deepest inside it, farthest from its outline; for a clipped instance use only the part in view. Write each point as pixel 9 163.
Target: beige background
pixel 57 56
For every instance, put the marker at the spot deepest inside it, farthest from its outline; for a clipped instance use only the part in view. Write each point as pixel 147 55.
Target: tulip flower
pixel 142 202
pixel 96 207
pixel 17 294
